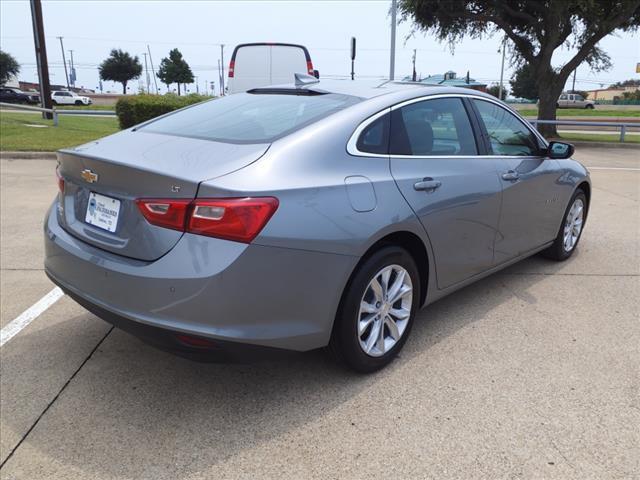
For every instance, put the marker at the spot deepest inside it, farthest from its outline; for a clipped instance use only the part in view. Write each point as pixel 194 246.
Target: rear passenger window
pixel 508 135
pixel 375 138
pixel 437 127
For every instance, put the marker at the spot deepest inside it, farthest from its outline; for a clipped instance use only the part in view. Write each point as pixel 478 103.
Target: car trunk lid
pixel 103 179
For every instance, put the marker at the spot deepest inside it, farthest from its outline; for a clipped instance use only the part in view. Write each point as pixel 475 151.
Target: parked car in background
pixel 63 97
pixel 15 95
pixel 307 215
pixel 256 65
pixel 573 100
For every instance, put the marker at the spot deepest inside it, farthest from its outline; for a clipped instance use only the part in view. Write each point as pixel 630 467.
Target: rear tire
pixel 365 302
pixel 588 106
pixel 571 228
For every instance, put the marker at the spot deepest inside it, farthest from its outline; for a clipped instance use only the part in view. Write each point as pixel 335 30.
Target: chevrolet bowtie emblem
pixel 88 176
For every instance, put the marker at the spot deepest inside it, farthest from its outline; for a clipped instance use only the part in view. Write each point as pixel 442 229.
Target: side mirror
pixel 560 150
pixel 316 74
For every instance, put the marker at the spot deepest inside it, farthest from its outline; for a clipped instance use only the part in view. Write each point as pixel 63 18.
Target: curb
pixel 28 155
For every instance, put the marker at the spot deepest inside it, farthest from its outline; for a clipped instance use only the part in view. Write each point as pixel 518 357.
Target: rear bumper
pixel 170 341
pixel 226 291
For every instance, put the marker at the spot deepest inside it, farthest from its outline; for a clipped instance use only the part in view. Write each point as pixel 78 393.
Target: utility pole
pixel 222 71
pixel 573 89
pixel 392 59
pixel 72 71
pixel 504 51
pixel 41 56
pixel 146 72
pixel 64 62
pixel 155 80
pixel 197 88
pixel 220 77
pixel 413 60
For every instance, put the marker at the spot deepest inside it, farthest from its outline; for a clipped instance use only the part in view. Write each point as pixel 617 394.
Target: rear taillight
pixel 309 67
pixel 60 181
pixel 237 219
pixel 232 65
pixel 164 213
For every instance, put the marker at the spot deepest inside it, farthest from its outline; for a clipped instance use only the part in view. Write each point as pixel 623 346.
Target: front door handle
pixel 511 176
pixel 427 184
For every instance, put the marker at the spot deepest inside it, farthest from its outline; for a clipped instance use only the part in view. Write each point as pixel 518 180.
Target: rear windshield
pixel 250 117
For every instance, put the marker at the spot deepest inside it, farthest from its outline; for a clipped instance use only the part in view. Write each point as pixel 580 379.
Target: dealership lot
pixel 530 373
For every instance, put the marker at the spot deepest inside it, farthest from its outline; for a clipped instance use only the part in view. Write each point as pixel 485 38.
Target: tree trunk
pixel 178 88
pixel 549 91
pixel 124 88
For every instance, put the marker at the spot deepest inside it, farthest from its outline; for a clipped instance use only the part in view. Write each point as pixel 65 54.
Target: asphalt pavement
pixel 533 372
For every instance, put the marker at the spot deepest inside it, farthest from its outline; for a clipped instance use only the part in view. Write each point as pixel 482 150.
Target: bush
pixel 136 109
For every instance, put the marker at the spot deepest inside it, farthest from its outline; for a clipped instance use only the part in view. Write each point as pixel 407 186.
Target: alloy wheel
pixel 573 225
pixel 385 310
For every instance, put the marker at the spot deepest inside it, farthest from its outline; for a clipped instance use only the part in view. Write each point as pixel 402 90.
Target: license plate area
pixel 102 212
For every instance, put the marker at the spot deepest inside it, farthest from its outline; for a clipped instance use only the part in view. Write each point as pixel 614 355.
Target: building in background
pixel 610 94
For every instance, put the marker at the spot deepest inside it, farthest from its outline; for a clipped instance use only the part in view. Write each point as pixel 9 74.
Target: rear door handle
pixel 427 184
pixel 511 176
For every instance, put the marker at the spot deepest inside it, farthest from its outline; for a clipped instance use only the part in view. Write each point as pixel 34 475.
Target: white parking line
pixel 11 329
pixel 615 168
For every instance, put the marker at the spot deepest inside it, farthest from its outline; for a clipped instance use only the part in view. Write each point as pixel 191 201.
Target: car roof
pixel 369 89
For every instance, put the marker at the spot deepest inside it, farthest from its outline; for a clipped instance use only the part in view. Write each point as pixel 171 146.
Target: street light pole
pixel 222 71
pixel 146 72
pixel 392 59
pixel 64 62
pixel 504 50
pixel 413 60
pixel 153 71
pixel 72 71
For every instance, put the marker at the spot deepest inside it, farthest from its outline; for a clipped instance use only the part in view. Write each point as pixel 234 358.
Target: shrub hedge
pixel 135 109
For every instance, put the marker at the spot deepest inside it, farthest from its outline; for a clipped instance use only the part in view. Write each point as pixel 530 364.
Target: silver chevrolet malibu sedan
pixel 308 215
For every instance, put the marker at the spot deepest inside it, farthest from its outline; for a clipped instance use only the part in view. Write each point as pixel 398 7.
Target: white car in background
pixel 255 65
pixel 63 97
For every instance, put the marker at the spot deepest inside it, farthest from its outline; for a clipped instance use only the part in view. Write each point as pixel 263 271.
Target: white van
pixel 256 65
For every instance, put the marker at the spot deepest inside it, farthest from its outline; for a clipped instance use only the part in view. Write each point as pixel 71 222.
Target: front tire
pixel 377 310
pixel 78 103
pixel 588 106
pixel 571 228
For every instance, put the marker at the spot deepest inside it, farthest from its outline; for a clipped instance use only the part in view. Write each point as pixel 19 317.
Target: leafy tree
pixel 175 69
pixel 536 29
pixel 9 67
pixel 631 95
pixel 523 83
pixel 633 82
pixel 495 91
pixel 120 67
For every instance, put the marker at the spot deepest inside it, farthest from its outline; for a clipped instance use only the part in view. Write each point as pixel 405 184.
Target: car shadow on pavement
pixel 134 411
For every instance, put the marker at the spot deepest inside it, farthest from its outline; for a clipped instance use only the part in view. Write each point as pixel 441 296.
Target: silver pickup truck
pixel 573 100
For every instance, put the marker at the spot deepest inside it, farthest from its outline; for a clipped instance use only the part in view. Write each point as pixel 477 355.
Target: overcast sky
pixel 92 28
